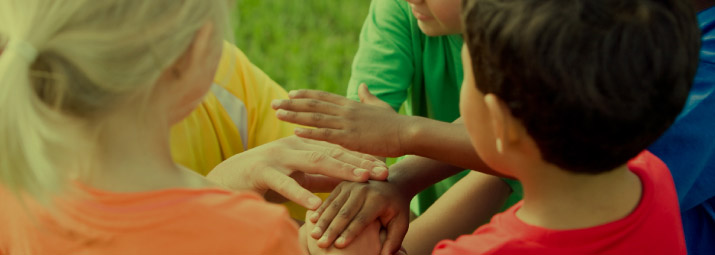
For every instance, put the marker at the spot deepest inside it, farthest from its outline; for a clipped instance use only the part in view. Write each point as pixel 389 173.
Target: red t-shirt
pixel 654 227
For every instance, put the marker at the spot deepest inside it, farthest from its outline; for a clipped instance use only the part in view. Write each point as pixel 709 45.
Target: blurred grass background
pixel 301 43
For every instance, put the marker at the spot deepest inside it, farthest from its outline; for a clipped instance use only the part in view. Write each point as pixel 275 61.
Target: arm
pixel 352 206
pixel 372 129
pixel 470 203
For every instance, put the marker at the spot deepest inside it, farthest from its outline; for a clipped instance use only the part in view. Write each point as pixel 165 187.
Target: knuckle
pixel 316 117
pixel 327 133
pixel 360 220
pixel 366 164
pixel 347 167
pixel 323 94
pixel 335 206
pixel 344 213
pixel 316 156
pixel 334 152
pixel 313 103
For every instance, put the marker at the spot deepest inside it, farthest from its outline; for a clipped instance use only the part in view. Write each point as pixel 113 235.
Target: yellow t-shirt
pixel 235 116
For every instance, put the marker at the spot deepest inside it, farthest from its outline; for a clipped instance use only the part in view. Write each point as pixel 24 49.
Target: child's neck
pixel 133 155
pixel 557 199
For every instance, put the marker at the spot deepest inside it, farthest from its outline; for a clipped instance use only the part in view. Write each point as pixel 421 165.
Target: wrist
pixel 412 128
pixel 403 180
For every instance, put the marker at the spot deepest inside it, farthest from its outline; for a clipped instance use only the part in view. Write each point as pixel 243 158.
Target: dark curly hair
pixel 593 81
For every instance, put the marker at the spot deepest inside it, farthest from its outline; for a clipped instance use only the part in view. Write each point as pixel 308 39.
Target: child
pixel 561 94
pixel 409 53
pixel 88 103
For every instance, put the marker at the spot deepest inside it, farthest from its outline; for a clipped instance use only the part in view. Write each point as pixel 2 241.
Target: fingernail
pixel 314 202
pixel 379 170
pixel 359 172
pixel 314 217
pixel 282 113
pixel 276 103
pixel 299 131
pixel 292 93
pixel 340 241
pixel 323 239
pixel 316 232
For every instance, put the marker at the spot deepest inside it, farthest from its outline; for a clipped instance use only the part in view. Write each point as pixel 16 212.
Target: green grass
pixel 301 43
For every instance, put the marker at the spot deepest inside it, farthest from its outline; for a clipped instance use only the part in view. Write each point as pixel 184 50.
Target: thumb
pixel 395 235
pixel 364 93
pixel 289 188
pixel 368 98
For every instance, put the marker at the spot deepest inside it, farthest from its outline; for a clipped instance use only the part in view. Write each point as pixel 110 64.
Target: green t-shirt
pixel 400 64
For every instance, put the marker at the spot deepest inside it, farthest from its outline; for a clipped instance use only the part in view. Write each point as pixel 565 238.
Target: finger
pixel 320 95
pixel 324 161
pixel 334 136
pixel 289 188
pixel 377 168
pixel 328 201
pixel 345 215
pixel 311 119
pixel 306 105
pixel 362 219
pixel 328 215
pixel 396 231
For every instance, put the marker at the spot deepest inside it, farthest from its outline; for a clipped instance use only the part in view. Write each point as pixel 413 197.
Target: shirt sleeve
pixel 254 88
pixel 384 60
pixel 264 126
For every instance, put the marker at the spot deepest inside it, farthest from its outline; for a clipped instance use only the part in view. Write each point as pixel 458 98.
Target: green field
pixel 301 43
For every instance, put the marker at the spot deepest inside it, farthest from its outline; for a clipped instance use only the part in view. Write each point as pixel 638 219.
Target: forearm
pixel 470 203
pixel 446 142
pixel 414 174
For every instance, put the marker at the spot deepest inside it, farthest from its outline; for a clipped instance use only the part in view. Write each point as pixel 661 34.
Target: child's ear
pixel 199 47
pixel 504 126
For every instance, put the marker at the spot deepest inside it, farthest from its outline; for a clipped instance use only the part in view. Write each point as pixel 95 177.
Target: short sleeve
pixel 256 90
pixel 384 60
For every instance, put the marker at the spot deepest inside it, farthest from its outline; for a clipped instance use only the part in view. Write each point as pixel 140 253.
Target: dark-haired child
pixel 565 96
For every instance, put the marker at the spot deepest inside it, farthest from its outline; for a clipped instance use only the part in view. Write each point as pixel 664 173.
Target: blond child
pixel 88 103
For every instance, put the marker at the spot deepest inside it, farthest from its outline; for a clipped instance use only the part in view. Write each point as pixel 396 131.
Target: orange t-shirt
pixel 172 221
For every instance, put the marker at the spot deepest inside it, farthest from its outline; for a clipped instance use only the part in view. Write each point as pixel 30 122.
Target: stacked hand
pixel 371 127
pixel 353 206
pixel 294 166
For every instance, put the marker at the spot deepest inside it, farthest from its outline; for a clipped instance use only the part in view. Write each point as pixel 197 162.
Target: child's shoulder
pixel 240 221
pixel 652 171
pixel 247 208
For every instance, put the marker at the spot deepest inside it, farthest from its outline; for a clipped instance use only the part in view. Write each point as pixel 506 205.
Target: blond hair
pixel 89 54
